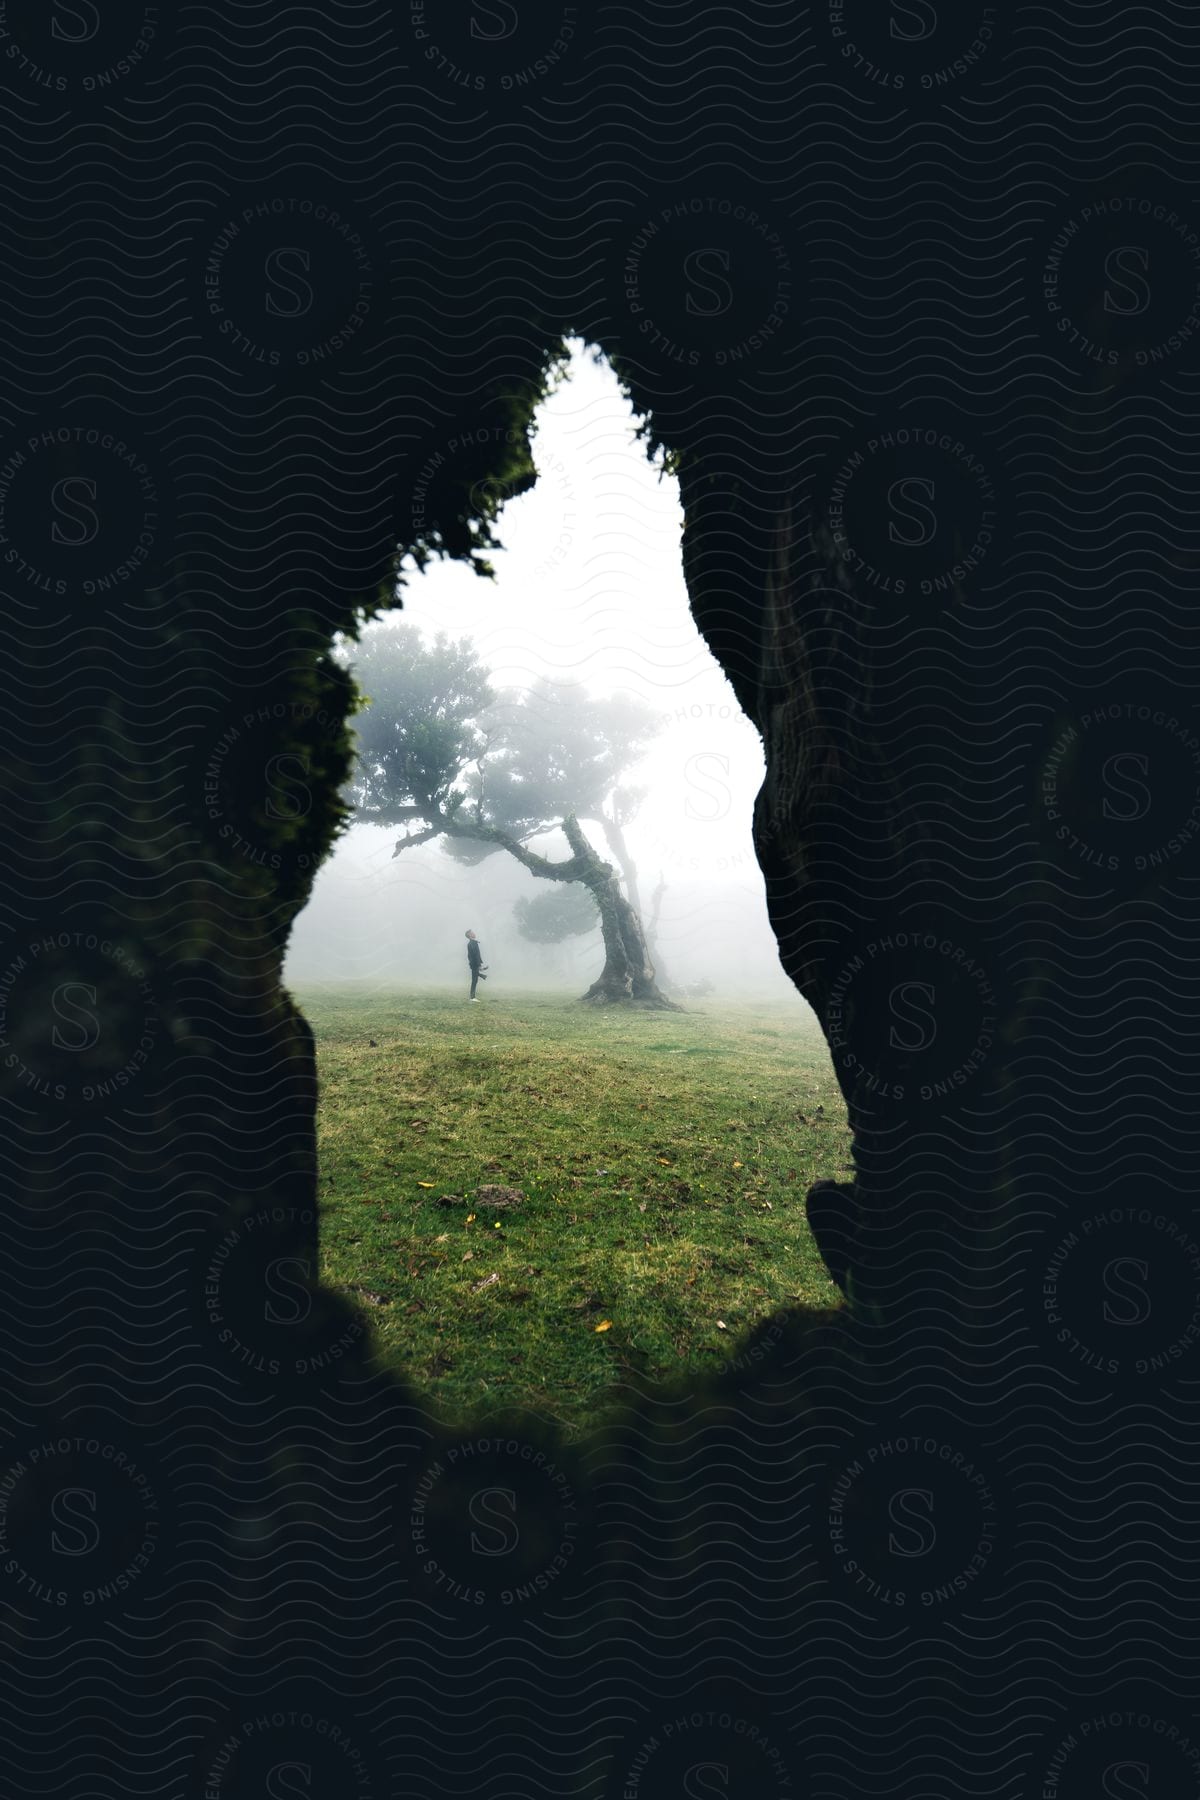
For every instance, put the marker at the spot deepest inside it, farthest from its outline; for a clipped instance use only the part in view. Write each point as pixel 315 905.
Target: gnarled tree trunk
pixel 614 836
pixel 628 975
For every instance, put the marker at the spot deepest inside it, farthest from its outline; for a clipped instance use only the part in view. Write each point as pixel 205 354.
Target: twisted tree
pixel 444 754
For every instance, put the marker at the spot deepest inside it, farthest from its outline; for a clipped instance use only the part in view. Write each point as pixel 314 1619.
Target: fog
pixel 589 590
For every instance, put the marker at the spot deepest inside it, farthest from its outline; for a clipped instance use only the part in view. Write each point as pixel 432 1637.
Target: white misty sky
pixel 589 588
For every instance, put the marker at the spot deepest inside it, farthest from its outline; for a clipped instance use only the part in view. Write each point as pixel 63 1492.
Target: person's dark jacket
pixel 474 953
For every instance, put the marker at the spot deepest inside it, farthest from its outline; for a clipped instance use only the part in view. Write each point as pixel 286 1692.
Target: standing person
pixel 475 962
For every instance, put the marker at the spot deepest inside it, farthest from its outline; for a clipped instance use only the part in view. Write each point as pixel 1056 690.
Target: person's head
pixel 470 934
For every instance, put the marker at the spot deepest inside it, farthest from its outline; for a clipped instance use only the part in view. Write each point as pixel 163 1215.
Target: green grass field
pixel 663 1157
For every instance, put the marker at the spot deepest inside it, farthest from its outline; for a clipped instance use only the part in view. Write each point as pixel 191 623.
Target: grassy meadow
pixel 663 1159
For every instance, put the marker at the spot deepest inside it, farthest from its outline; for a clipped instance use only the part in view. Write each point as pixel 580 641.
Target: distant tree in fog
pixel 443 753
pixel 565 912
pixel 550 920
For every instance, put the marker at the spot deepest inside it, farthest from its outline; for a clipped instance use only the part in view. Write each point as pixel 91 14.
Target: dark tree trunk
pixel 628 976
pixel 614 836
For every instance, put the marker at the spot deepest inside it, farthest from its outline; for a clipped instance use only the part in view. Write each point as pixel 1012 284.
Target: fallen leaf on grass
pixel 738 1165
pixel 487 1282
pixel 427 1184
pixel 604 1325
pixel 469 1255
pixel 663 1161
pixel 721 1325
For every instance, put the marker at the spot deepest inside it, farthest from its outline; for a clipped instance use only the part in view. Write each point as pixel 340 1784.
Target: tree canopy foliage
pixel 417 729
pixel 437 740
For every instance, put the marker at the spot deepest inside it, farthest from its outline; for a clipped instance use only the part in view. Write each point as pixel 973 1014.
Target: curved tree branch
pixel 416 837
pixel 572 869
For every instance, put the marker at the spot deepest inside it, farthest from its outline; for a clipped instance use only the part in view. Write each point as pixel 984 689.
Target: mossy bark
pixel 614 836
pixel 628 976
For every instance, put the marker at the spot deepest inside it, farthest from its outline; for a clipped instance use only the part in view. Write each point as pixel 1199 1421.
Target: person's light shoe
pixel 474 999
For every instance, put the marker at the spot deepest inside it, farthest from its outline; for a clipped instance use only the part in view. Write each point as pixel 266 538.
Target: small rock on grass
pixel 494 1198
